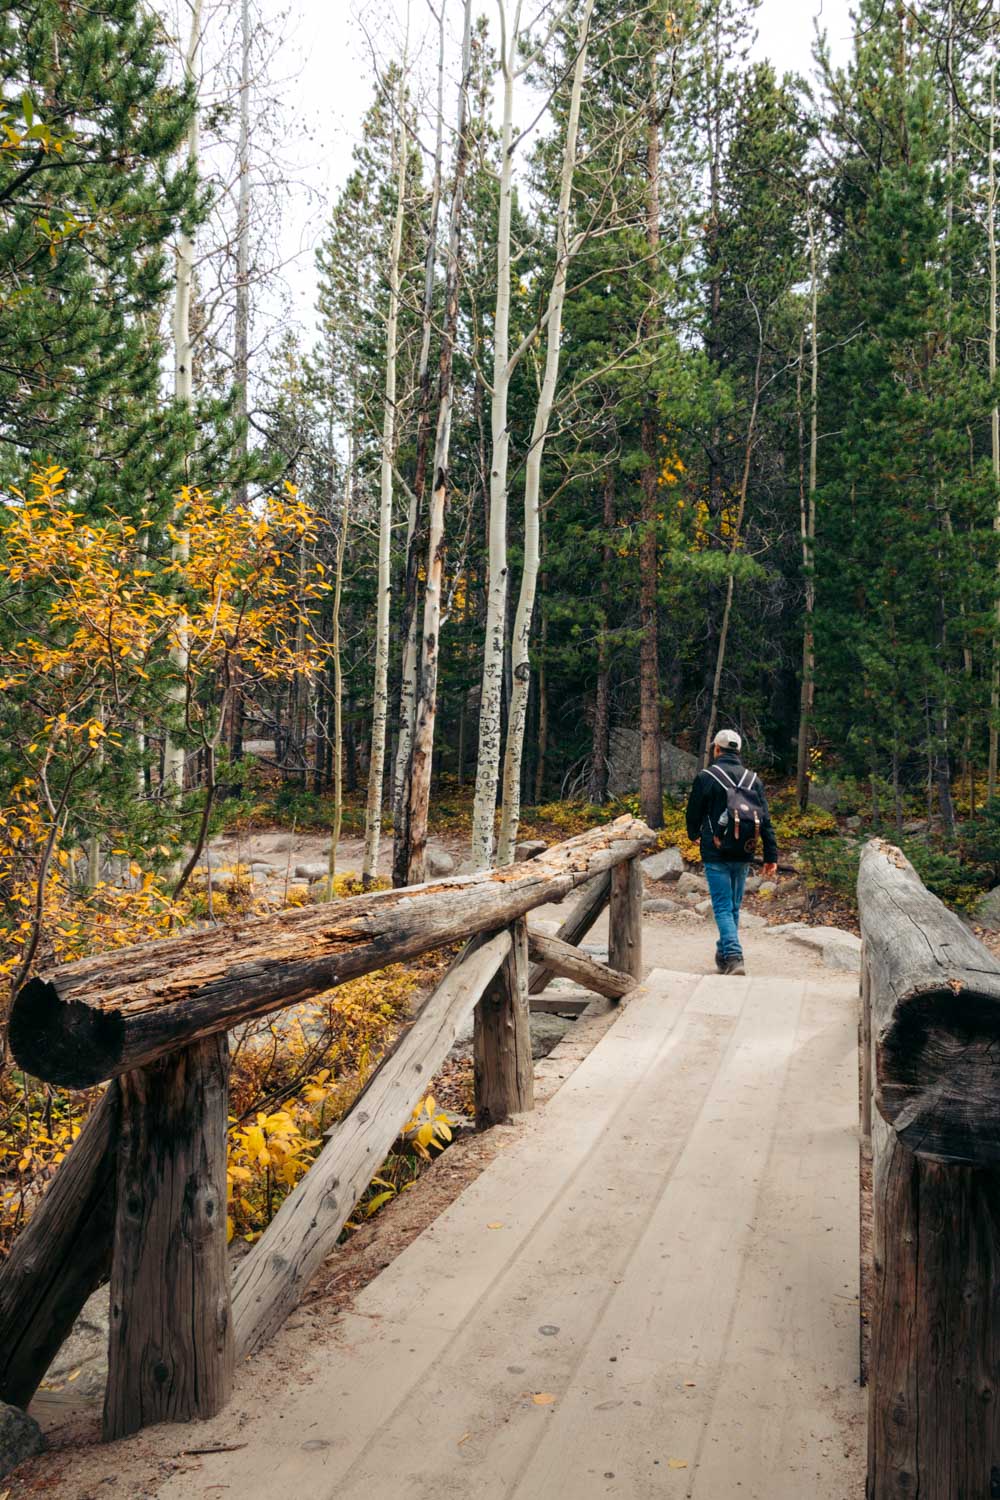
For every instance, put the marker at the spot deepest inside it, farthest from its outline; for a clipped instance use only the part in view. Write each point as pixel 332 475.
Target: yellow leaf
pixel 542 1398
pixel 677 1463
pixel 498 1225
pixel 74 1374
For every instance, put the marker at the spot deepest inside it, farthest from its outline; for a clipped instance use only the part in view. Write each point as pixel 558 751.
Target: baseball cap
pixel 728 739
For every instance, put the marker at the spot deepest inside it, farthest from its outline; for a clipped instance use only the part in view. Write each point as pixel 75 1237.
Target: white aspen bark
pixel 338 686
pixel 521 661
pixel 419 768
pixel 991 229
pixel 488 765
pixel 173 754
pixel 727 612
pixel 409 676
pixel 373 809
pixel 241 337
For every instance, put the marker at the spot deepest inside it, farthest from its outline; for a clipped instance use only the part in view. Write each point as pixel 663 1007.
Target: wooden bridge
pixel 653 1291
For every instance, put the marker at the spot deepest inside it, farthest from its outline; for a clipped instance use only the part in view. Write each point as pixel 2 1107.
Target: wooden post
pixel 170 1351
pixel 60 1257
pixel 625 919
pixel 583 913
pixel 934 1403
pixel 865 1047
pixel 505 1075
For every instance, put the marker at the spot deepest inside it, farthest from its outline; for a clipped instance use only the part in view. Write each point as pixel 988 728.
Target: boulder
pixel 987 912
pixel 662 903
pixel 704 907
pixel 853 822
pixel 692 885
pixel 766 888
pixel 914 826
pixel 528 849
pixel 678 767
pixel 438 862
pixel 844 959
pixel 822 937
pixel 20 1437
pixel 825 795
pixel 314 871
pixel 666 864
pixel 753 883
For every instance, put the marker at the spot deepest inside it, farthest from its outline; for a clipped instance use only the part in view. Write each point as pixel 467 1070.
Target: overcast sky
pixel 329 52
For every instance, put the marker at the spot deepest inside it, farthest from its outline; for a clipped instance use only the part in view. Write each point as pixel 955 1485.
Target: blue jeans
pixel 725 886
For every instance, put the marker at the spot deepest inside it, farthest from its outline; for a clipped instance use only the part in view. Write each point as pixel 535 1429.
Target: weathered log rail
pixel 930 1059
pixel 142 1193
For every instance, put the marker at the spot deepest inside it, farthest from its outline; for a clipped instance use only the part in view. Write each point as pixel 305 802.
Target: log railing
pixel 142 1193
pixel 930 1034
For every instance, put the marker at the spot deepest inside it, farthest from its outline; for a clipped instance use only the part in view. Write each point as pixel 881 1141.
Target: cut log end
pixel 70 1044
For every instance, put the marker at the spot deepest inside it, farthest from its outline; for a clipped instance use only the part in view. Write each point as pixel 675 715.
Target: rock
pixel 822 937
pixel 678 767
pixel 825 795
pixel 20 1437
pixel 438 862
pixel 843 958
pixel 528 849
pixel 278 843
pixel 262 872
pixel 750 920
pixel 766 888
pixel 785 929
pixel 692 885
pixel 915 826
pixel 704 907
pixel 315 871
pixel 987 911
pixel 661 903
pixel 753 883
pixel 853 822
pixel 664 865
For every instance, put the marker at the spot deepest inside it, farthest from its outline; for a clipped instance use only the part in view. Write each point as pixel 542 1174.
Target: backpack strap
pixel 721 777
pixel 745 785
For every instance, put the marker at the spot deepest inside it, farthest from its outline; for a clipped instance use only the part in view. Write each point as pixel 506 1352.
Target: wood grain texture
pixel 109 1014
pixel 170 1348
pixel 60 1257
pixel 568 962
pixel 270 1281
pixel 934 1399
pixel 583 913
pixel 935 1016
pixel 504 1071
pixel 625 919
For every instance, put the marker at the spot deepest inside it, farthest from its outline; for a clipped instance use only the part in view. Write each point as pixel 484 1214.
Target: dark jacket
pixel 706 805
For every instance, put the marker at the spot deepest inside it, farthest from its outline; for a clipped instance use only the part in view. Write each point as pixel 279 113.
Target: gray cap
pixel 728 739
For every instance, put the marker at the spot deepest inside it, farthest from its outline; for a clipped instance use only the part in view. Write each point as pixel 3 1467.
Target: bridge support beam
pixel 504 1070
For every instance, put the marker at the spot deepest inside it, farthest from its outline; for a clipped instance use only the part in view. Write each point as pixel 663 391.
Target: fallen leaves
pixel 543 1398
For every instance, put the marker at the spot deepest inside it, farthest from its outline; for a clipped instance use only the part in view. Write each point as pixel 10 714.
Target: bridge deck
pixel 652 1292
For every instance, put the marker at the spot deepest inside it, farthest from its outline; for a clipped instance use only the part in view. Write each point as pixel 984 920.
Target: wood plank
pixel 504 1070
pixel 270 1281
pixel 60 1257
pixel 561 1003
pixel 170 1347
pixel 106 1015
pixel 568 962
pixel 583 913
pixel 935 1015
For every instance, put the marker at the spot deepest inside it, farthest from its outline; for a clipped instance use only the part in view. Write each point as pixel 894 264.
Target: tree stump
pixel 504 1070
pixel 171 1342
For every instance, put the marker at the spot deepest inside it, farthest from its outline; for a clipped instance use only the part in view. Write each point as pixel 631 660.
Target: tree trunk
pixel 417 779
pixel 338 686
pixel 602 694
pixel 991 211
pixel 520 656
pixel 808 538
pixel 650 776
pixel 242 320
pixel 380 696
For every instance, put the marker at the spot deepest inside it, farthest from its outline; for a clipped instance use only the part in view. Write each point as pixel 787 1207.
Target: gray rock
pixel 825 795
pixel 20 1437
pixel 987 911
pixel 438 862
pixel 678 767
pixel 844 959
pixel 914 826
pixel 528 849
pixel 853 822
pixel 753 883
pixel 280 843
pixel 315 871
pixel 704 907
pixel 666 864
pixel 692 885
pixel 823 937
pixel 750 920
pixel 262 872
pixel 766 888
pixel 661 903
pixel 785 929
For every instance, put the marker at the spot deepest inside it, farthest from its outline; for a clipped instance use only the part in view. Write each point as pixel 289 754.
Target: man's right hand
pixel 770 871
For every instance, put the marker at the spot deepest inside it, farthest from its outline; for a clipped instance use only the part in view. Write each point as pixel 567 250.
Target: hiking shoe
pixel 734 966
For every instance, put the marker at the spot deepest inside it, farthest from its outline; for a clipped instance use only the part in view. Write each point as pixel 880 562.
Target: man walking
pixel 727 811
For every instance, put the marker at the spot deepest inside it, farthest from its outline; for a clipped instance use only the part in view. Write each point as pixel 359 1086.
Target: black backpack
pixel 737 829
